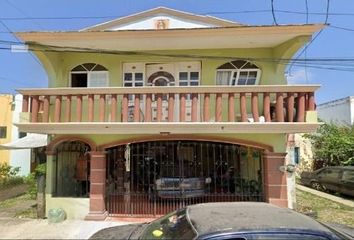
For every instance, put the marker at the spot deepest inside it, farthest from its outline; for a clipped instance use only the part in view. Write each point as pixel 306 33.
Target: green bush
pixel 31 179
pixel 8 176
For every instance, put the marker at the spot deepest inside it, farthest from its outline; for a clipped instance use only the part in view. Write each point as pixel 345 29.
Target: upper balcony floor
pixel 170 109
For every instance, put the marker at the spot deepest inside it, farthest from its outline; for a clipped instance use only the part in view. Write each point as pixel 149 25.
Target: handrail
pixel 170 89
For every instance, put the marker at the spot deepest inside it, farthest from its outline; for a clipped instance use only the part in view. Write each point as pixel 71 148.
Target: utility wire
pixel 327 11
pixel 31 54
pixel 342 28
pixel 205 13
pixel 273 14
pixel 307 21
pixel 22 12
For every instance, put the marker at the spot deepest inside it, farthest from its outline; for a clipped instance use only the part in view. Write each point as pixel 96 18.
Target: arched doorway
pixel 155 177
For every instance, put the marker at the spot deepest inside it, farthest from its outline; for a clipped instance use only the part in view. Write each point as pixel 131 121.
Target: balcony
pixel 164 110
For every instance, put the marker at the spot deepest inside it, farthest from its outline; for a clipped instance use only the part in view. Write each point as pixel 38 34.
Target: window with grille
pixel 3 132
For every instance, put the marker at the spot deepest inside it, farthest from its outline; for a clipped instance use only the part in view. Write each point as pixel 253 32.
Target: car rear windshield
pixel 172 226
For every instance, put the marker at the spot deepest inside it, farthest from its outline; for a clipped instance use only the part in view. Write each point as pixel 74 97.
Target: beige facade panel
pixel 166 128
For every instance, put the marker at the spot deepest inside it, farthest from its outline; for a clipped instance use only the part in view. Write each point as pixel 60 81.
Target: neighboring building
pixel 5 125
pixel 163 108
pixel 10 108
pixel 339 111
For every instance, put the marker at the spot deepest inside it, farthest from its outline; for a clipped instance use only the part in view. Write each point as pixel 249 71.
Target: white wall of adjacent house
pixel 150 23
pixel 22 157
pixel 340 111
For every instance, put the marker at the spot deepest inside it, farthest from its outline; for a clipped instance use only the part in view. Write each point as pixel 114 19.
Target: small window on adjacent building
pixel 22 134
pixel 296 155
pixel 3 132
pixel 89 75
pixel 237 73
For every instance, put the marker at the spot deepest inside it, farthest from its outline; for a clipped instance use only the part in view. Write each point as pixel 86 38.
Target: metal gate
pixel 154 178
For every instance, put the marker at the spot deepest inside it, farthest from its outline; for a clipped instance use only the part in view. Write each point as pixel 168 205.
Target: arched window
pixel 89 75
pixel 237 73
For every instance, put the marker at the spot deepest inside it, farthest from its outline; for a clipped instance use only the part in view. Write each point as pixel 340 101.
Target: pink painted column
pixel 275 187
pixel 97 186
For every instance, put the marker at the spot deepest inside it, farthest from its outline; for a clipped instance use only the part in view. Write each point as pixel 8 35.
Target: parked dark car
pixel 169 187
pixel 230 220
pixel 334 179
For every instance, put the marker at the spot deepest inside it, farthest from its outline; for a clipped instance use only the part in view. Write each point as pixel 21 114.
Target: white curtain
pixel 223 77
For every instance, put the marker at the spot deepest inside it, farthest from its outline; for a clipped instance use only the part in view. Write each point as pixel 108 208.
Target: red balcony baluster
pixel 137 108
pixel 91 107
pixel 301 107
pixel 68 109
pixel 279 108
pixel 78 108
pixel 102 107
pixel 182 107
pixel 171 106
pixel 194 107
pixel 312 104
pixel 290 107
pixel 114 108
pixel 25 102
pixel 218 110
pixel 57 109
pixel 46 103
pixel 243 107
pixel 206 111
pixel 266 107
pixel 254 106
pixel 148 113
pixel 125 108
pixel 35 109
pixel 159 107
pixel 231 107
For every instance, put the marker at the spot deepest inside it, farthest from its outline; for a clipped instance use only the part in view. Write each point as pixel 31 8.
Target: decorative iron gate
pixel 154 178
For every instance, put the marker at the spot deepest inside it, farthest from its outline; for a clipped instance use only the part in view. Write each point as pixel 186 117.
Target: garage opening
pixel 154 178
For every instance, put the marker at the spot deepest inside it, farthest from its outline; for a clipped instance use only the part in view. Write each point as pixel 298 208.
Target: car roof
pixel 339 167
pixel 245 216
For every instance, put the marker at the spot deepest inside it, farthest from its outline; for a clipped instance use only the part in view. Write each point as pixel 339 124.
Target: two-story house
pixel 163 108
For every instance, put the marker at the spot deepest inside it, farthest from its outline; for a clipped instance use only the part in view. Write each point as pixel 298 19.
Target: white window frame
pixel 188 67
pixel 88 72
pixel 128 68
pixel 238 71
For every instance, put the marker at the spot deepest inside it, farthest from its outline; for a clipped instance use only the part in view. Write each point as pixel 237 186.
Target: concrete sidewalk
pixel 331 197
pixel 14 228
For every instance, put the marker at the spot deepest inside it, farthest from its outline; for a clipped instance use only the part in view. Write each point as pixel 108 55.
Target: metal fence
pixel 154 178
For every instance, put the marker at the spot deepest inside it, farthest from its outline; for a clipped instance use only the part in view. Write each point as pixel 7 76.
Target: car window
pixel 330 173
pixel 273 236
pixel 172 226
pixel 348 176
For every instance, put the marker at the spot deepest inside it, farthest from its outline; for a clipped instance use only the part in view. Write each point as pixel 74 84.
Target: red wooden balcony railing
pixel 266 103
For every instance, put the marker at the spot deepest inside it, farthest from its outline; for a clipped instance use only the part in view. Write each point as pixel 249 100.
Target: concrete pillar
pixel 274 179
pixel 97 186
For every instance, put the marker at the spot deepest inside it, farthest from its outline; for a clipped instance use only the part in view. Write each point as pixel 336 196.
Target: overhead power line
pixel 205 13
pixel 273 14
pixel 344 64
pixel 327 11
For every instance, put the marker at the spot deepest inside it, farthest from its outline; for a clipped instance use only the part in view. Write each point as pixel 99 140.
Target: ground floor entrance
pixel 155 177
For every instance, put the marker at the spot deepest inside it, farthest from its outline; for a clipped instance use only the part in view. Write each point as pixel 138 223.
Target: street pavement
pixel 16 228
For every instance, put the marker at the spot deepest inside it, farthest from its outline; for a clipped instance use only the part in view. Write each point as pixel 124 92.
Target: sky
pixel 23 70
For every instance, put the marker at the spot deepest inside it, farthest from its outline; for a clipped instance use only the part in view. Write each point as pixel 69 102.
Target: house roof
pixel 213 21
pixel 174 39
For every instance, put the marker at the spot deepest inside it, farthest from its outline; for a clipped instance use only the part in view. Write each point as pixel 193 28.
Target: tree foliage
pixel 333 145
